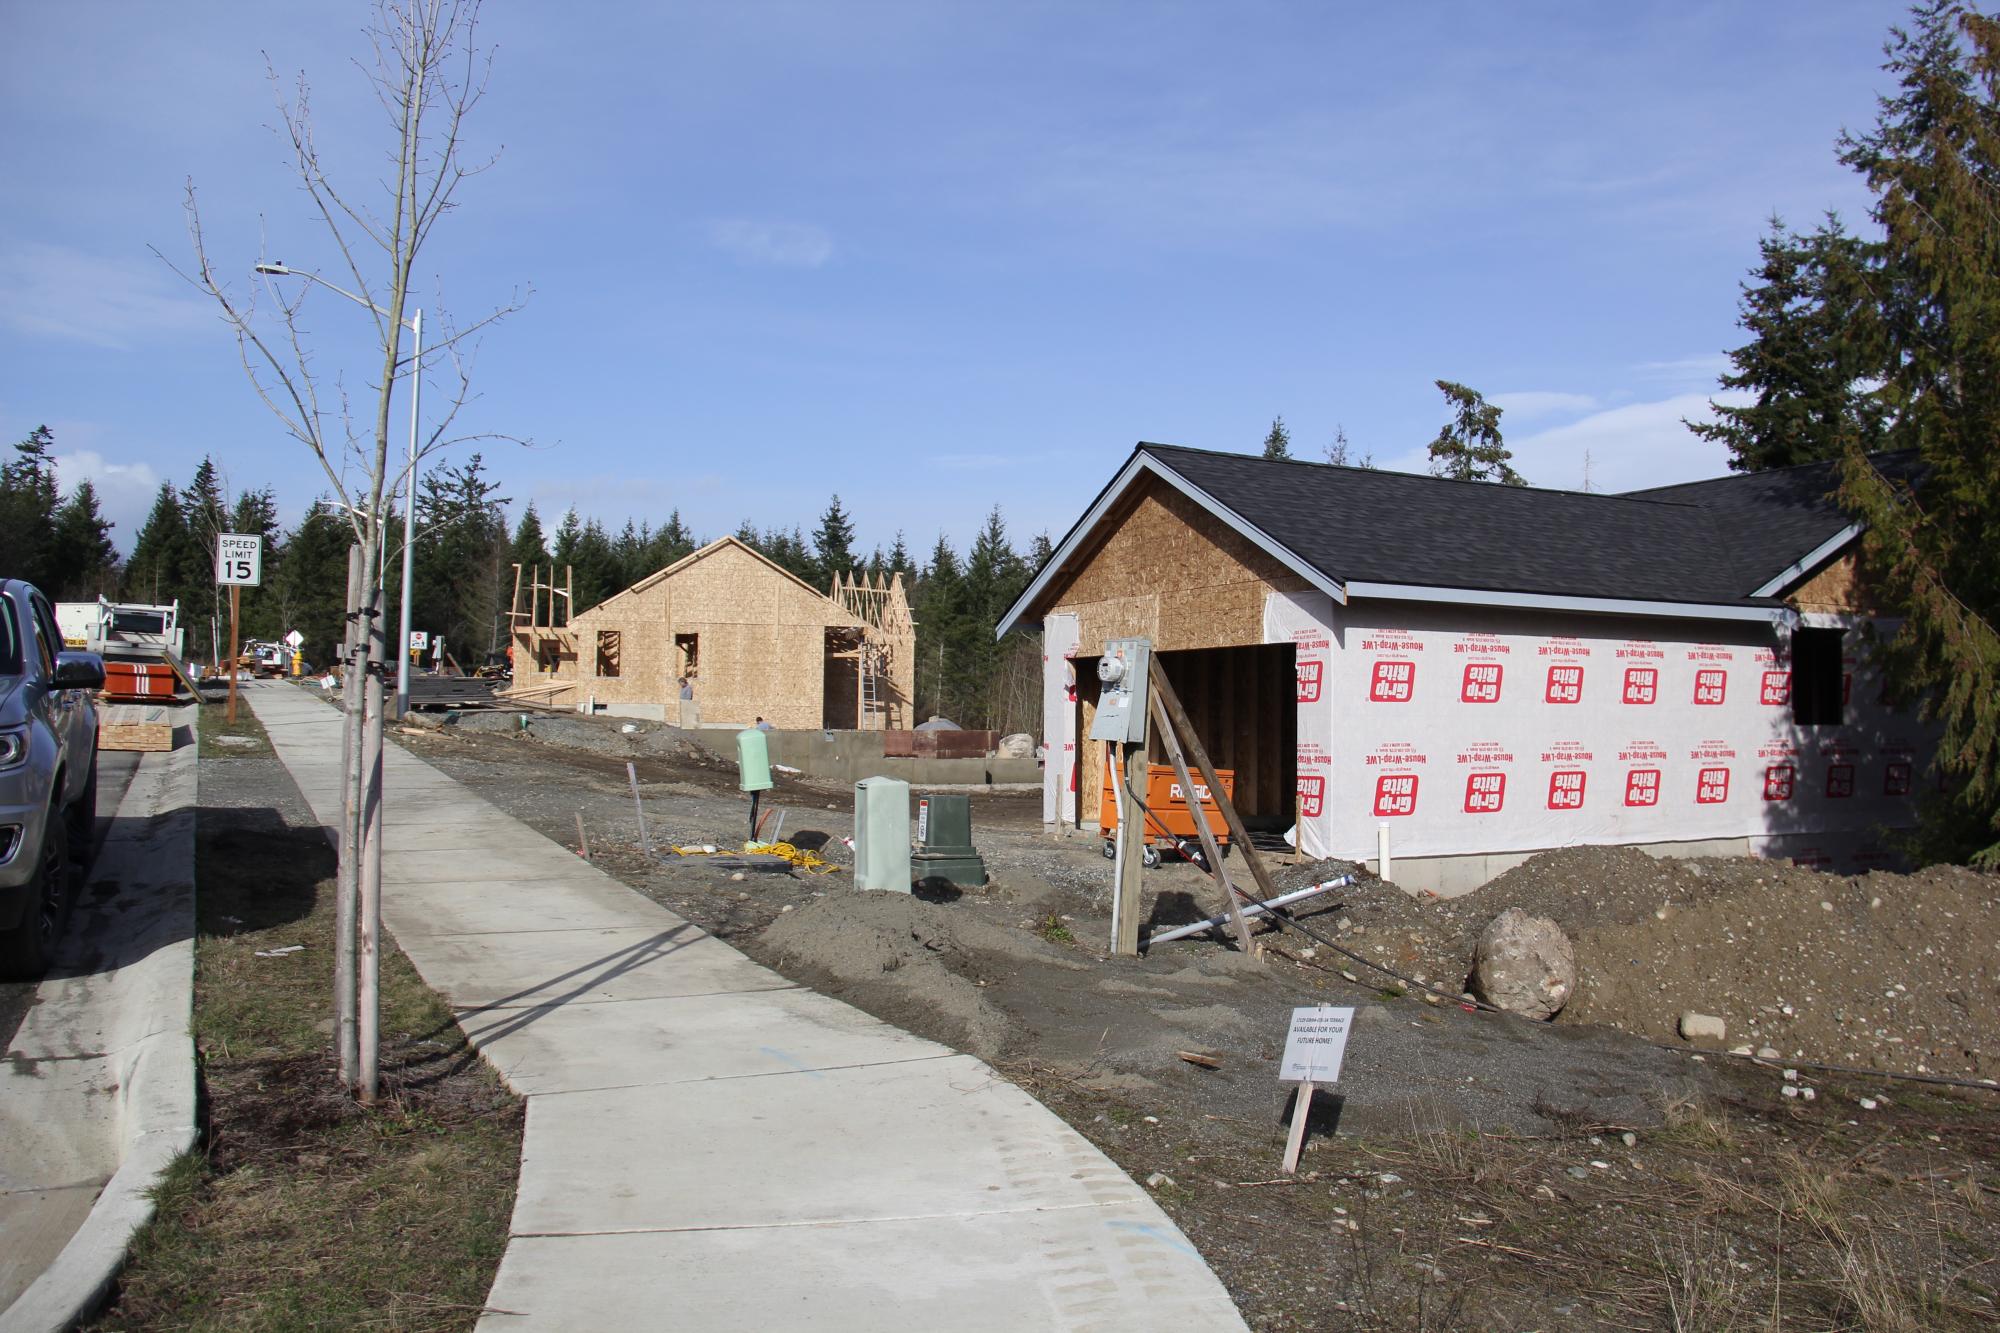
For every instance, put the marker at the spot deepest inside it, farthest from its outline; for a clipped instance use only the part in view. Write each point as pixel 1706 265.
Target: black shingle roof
pixel 1706 542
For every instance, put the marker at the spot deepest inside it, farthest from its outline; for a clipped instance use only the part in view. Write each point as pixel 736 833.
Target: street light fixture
pixel 416 328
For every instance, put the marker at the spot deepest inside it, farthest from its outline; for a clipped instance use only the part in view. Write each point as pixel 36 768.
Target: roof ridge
pixel 1629 496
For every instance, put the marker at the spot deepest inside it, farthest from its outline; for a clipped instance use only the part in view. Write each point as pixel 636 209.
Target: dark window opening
pixel 1816 677
pixel 610 647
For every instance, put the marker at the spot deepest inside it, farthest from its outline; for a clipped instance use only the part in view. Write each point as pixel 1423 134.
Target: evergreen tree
pixel 161 551
pixel 256 513
pixel 27 509
pixel 309 592
pixel 529 547
pixel 82 562
pixel 569 539
pixel 832 544
pixel 1278 444
pixel 1933 165
pixel 1040 552
pixel 899 559
pixel 1812 353
pixel 1470 448
pixel 462 540
pixel 671 543
pixel 594 566
pixel 937 606
pixel 1341 454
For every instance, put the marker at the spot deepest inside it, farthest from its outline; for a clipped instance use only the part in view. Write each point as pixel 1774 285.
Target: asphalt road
pixel 114 775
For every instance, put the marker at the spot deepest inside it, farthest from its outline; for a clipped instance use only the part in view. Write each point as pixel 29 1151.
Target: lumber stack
pixel 144 727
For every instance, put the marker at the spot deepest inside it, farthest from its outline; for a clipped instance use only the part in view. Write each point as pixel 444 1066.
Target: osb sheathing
pixel 1842 587
pixel 761 635
pixel 1164 568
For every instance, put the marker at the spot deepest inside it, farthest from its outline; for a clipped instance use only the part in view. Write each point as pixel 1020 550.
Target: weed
pixel 1054 931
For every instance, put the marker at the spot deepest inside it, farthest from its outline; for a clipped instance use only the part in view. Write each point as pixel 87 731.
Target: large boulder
pixel 1525 965
pixel 1020 745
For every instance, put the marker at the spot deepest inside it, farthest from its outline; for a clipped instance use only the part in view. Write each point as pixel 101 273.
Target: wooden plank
pixel 1131 852
pixel 1295 1141
pixel 1207 835
pixel 127 727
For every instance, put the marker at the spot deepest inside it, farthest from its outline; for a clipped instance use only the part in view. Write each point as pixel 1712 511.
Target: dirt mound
pixel 1890 971
pixel 912 962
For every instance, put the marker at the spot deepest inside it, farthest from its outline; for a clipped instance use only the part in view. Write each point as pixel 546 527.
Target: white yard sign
pixel 239 558
pixel 419 640
pixel 1315 1045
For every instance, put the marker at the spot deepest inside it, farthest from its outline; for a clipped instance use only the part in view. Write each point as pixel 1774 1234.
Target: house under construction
pixel 750 638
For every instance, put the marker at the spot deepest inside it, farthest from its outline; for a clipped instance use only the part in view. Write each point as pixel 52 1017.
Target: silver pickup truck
pixel 48 777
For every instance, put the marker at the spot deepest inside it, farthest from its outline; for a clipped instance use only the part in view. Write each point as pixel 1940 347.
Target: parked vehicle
pixel 48 777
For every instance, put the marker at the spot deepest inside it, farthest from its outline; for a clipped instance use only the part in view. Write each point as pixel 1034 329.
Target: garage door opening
pixel 1243 703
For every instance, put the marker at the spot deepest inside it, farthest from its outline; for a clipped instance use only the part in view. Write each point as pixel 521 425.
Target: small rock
pixel 1544 1192
pixel 1869 1103
pixel 1807 1093
pixel 1159 1180
pixel 1576 1172
pixel 737 878
pixel 786 908
pixel 1789 1091
pixel 1702 1027
pixel 1767 1052
pixel 1629 1139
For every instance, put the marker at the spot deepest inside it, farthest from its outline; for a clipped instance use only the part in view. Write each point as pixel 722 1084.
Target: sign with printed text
pixel 239 558
pixel 420 639
pixel 1642 684
pixel 1711 786
pixel 1312 796
pixel 1310 670
pixel 1482 683
pixel 1392 682
pixel 1485 793
pixel 1315 1045
pixel 1777 688
pixel 1566 789
pixel 1711 687
pixel 1565 684
pixel 1778 782
pixel 1395 794
pixel 1642 787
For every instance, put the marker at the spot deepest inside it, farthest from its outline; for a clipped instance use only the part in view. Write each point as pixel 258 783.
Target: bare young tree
pixel 428 74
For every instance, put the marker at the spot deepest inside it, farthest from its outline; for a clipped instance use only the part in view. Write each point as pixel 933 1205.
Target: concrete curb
pixel 151 1050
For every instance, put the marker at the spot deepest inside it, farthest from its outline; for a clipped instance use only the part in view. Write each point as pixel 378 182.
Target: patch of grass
pixel 246 737
pixel 301 1209
pixel 1054 931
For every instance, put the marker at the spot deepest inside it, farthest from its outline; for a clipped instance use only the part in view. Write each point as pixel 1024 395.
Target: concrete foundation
pixel 849 756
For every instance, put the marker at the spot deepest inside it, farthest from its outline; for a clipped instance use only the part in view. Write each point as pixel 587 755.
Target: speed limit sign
pixel 239 558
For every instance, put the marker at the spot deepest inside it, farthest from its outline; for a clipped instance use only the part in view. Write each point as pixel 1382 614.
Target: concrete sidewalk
pixel 712 1147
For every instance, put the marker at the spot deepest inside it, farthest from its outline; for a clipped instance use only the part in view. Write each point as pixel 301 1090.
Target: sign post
pixel 239 559
pixel 1314 1047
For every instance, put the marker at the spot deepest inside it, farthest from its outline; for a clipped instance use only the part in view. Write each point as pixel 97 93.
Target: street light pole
pixel 416 327
pixel 409 519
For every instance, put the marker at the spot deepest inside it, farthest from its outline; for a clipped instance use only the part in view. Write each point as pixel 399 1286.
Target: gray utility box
pixel 944 841
pixel 882 834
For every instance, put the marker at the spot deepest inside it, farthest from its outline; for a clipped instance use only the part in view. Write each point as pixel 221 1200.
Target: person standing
pixel 690 710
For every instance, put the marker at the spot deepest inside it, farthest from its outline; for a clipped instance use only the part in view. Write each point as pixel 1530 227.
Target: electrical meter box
pixel 1121 695
pixel 945 853
pixel 882 834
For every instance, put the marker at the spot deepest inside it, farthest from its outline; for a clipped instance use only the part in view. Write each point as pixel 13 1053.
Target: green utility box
pixel 945 853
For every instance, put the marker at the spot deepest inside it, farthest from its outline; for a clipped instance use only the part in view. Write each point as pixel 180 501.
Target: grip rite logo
pixel 1482 683
pixel 1711 786
pixel 1312 797
pixel 1839 781
pixel 1710 686
pixel 1565 685
pixel 1777 690
pixel 1642 787
pixel 1779 780
pixel 1310 671
pixel 1392 682
pixel 1642 685
pixel 1395 794
pixel 1566 789
pixel 1485 793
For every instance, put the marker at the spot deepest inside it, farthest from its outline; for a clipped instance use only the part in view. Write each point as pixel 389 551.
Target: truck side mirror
pixel 79 671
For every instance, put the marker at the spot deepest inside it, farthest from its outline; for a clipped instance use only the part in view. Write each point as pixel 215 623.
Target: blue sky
pixel 937 256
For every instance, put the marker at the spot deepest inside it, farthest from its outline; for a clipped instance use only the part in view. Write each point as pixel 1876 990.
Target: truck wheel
pixel 27 950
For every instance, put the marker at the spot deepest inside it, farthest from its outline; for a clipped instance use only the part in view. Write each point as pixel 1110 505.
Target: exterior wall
pixel 762 644
pixel 1452 724
pixel 1169 571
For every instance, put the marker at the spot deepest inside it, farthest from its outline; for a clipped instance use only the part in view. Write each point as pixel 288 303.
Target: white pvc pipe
pixel 1249 909
pixel 1382 852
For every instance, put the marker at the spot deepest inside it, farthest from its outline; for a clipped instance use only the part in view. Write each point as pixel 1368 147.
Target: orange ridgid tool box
pixel 1169 819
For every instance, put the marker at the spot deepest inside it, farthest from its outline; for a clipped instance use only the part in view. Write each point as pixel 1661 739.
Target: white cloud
pixel 787 244
pixel 1538 403
pixel 61 292
pixel 1628 448
pixel 1687 370
pixel 125 491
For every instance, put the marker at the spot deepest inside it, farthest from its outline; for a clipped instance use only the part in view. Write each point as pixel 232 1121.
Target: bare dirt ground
pixel 1477 1171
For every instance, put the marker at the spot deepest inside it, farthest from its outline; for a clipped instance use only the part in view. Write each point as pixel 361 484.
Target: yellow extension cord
pixel 806 861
